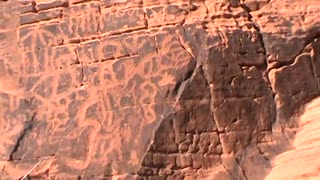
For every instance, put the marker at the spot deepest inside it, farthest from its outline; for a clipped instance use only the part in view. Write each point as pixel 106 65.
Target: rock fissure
pixel 227 170
pixel 262 43
pixel 26 130
pixel 184 46
pixel 216 125
pixel 241 168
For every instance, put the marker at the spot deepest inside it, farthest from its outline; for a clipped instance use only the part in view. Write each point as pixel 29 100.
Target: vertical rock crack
pixel 27 128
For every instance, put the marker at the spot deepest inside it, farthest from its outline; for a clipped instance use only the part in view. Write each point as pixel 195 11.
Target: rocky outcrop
pixel 150 89
pixel 293 163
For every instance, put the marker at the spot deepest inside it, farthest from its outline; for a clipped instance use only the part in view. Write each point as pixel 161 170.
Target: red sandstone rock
pixel 302 161
pixel 157 89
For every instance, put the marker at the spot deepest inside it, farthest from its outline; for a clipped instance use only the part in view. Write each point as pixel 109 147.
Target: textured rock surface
pixel 153 89
pixel 306 147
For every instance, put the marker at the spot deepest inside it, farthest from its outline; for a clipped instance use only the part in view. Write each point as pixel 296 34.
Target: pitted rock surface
pixel 153 89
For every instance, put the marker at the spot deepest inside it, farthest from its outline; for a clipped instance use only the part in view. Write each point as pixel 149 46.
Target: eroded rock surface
pixel 292 164
pixel 153 89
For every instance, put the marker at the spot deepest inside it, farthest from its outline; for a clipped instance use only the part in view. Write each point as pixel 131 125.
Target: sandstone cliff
pixel 301 162
pixel 153 89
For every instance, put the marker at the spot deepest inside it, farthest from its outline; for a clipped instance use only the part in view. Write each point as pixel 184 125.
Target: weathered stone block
pixel 175 176
pixel 164 160
pixel 24 7
pixel 73 30
pixel 153 15
pixel 208 140
pixel 183 147
pixel 165 142
pixel 194 146
pixel 113 47
pixel 197 160
pixel 122 21
pixel 42 5
pixel 91 8
pixel 174 14
pixel 201 119
pixel 210 161
pixel 184 160
pixel 165 171
pixel 234 141
pixel 289 80
pixel 148 171
pixel 28 18
pixel 148 160
pixel 89 52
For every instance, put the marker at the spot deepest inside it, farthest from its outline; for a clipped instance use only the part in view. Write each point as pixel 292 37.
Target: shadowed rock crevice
pixel 26 129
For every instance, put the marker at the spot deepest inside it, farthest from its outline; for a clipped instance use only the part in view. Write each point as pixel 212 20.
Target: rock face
pixel 292 164
pixel 153 89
